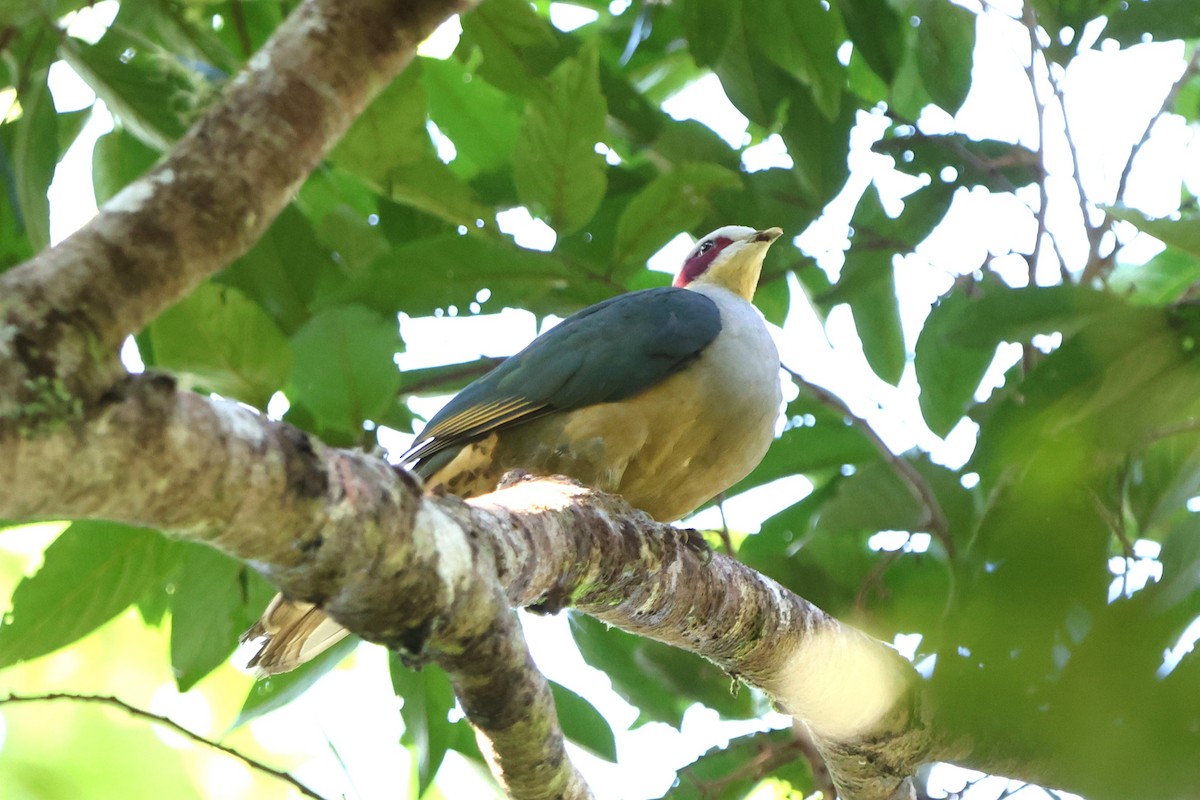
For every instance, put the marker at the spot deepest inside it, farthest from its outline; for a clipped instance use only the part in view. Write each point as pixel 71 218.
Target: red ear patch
pixel 699 260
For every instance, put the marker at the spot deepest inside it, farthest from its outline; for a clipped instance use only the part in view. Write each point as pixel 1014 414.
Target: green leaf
pixel 428 699
pixel 482 121
pixel 1183 233
pixel 999 166
pixel 36 156
pixel 92 572
pixel 1164 279
pixel 556 166
pixel 279 690
pixel 583 724
pixel 876 312
pixel 1163 20
pixel 443 271
pixel 152 93
pixel 343 369
pixel 224 342
pixel 948 371
pixel 660 680
pixel 511 36
pixel 755 85
pixel 354 242
pixel 390 133
pixel 708 25
pixel 117 160
pixel 285 270
pixel 432 187
pixel 945 45
pixel 802 38
pixel 872 499
pixel 722 774
pixel 817 145
pixel 673 202
pixel 216 598
pixel 877 33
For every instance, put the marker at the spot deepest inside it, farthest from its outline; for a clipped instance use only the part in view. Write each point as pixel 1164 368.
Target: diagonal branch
pixel 435 578
pixel 65 312
pixel 922 492
pixel 167 722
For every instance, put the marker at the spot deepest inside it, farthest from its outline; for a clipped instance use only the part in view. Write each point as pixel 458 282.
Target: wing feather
pixel 602 354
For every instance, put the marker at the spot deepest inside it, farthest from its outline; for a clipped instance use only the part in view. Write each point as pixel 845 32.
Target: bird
pixel 665 396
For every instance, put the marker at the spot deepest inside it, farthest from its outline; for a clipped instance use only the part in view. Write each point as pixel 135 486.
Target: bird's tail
pixel 293 633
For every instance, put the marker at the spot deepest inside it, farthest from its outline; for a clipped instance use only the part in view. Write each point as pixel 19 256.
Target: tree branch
pixel 157 719
pixel 64 313
pixel 434 578
pixel 921 491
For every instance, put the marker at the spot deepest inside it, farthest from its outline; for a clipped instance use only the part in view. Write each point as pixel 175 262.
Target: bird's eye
pixel 704 248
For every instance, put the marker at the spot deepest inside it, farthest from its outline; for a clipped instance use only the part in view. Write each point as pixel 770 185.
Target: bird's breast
pixel 695 434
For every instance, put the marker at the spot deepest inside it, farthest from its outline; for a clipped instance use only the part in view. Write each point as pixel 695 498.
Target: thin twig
pixel 141 713
pixel 1029 18
pixel 935 518
pixel 1094 233
pixel 1189 71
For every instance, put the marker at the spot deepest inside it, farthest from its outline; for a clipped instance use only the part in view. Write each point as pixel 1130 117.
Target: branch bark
pixel 434 578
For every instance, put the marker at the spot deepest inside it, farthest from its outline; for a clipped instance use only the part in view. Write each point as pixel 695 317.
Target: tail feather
pixel 294 633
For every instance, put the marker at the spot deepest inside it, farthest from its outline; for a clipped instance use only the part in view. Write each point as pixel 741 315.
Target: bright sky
pixel 1133 81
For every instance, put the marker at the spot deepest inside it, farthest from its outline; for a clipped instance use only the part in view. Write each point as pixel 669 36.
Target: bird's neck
pixel 741 279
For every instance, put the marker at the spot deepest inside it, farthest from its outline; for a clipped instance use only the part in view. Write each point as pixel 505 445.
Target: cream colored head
pixel 730 257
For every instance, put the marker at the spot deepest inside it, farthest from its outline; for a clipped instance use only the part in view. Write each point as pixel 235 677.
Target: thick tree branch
pixel 433 578
pixel 64 314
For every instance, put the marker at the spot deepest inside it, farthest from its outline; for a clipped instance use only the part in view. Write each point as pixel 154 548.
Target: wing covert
pixel 602 354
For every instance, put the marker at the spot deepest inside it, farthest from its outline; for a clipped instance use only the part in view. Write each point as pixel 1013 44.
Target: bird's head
pixel 730 257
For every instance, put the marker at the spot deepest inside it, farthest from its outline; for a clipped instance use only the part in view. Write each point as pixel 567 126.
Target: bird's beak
pixel 769 235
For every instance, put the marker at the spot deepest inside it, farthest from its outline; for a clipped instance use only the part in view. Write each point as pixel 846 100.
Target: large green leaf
pixel 662 681
pixel 1182 233
pixel 35 156
pixel 513 40
pixel 224 342
pixel 802 38
pixel 876 311
pixel 118 158
pixel 279 690
pixel 154 95
pixel 216 598
pixel 428 700
pixel 672 202
pixel 343 369
pixel 556 166
pixel 945 44
pixel 481 120
pixel 285 270
pixel 1167 278
pixel 948 370
pixel 91 572
pixel 390 133
pixel 709 24
pixel 877 33
pixel 583 724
